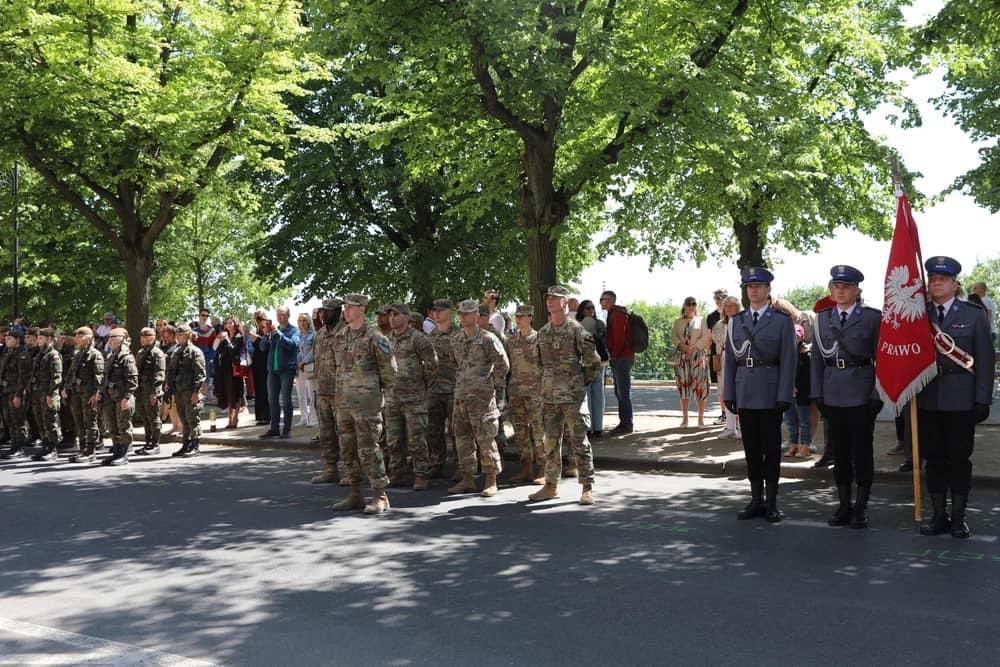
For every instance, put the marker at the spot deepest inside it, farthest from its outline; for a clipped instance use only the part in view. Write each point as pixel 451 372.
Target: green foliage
pixel 659 317
pixel 986 271
pixel 805 297
pixel 965 36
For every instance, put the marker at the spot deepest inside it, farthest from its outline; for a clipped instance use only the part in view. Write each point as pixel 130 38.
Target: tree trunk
pixel 199 283
pixel 138 279
pixel 542 211
pixel 750 243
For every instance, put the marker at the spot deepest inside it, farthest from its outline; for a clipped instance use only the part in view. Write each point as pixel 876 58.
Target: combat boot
pixel 959 528
pixel 587 497
pixel 328 476
pixel 466 484
pixel 149 450
pixel 570 469
pixel 398 480
pixel 457 477
pixel 939 523
pixel 434 472
pixel 379 503
pixel 490 486
pixel 192 450
pixel 354 501
pixel 142 450
pixel 755 507
pixel 185 443
pixel 120 457
pixel 843 514
pixel 859 517
pixel 547 492
pixel 539 479
pixel 527 474
pixel 772 513
pixel 48 453
pixel 14 453
pixel 419 482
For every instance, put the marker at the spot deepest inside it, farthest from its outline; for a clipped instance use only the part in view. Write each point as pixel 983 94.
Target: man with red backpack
pixel 622 358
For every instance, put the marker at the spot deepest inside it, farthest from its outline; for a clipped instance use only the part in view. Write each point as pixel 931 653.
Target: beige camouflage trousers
pixel 476 426
pixel 358 432
pixel 529 433
pixel 556 416
pixel 406 432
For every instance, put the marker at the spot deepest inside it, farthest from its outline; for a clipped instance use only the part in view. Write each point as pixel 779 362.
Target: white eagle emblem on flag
pixel 903 298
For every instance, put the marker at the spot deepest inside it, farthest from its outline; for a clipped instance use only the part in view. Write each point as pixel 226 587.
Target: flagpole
pixel 897 180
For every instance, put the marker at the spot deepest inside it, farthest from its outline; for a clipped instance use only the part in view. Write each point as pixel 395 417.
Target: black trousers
pixel 853 431
pixel 762 444
pixel 946 440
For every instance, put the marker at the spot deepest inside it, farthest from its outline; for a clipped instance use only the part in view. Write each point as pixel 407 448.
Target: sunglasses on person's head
pixel 689 303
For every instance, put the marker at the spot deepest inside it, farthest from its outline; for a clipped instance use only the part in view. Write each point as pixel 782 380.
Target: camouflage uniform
pixel 67 351
pixel 185 377
pixel 406 401
pixel 83 381
pixel 481 374
pixel 326 390
pixel 364 367
pixel 46 380
pixel 441 398
pixel 152 366
pixel 569 362
pixel 15 373
pixel 121 379
pixel 524 397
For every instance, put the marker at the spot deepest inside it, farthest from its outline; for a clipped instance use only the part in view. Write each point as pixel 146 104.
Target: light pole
pixel 15 182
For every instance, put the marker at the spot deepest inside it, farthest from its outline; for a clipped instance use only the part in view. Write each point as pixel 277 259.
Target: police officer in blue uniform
pixel 759 385
pixel 842 382
pixel 957 399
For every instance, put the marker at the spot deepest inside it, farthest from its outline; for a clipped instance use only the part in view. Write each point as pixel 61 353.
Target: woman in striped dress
pixel 693 338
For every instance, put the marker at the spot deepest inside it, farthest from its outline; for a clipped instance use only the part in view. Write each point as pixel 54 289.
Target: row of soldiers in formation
pixel 100 388
pixel 760 366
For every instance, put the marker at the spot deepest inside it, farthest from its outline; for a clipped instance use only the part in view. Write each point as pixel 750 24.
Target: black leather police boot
pixel 843 514
pixel 939 523
pixel 824 461
pixel 772 513
pixel 192 450
pixel 859 518
pixel 755 507
pixel 959 528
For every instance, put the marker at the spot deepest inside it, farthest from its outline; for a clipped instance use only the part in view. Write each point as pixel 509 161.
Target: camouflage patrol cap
pixel 484 309
pixel 47 331
pixel 558 290
pixel 84 331
pixel 147 331
pixel 383 309
pixel 400 308
pixel 182 329
pixel 443 304
pixel 332 304
pixel 356 300
pixel 468 306
pixel 524 309
pixel 416 318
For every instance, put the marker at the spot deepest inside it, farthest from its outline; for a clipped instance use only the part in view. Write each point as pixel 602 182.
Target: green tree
pixel 128 109
pixel 965 36
pixel 659 317
pixel 985 271
pixel 805 297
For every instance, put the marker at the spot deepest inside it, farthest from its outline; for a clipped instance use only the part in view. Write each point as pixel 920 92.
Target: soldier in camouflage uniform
pixel 81 389
pixel 15 373
pixel 441 391
pixel 46 381
pixel 364 369
pixel 406 401
pixel 31 344
pixel 570 362
pixel 480 388
pixel 524 396
pixel 326 391
pixel 121 380
pixel 152 365
pixel 67 350
pixel 185 382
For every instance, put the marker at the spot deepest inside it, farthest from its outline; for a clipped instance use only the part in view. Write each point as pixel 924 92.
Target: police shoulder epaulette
pixel 779 312
pixel 974 305
pixel 874 310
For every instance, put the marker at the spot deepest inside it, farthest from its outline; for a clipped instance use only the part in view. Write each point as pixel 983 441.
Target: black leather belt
pixel 847 363
pixel 950 369
pixel 750 362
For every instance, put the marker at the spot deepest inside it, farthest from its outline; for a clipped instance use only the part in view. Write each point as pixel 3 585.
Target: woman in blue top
pixel 305 380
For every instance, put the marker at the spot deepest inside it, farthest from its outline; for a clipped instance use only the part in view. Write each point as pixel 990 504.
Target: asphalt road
pixel 234 558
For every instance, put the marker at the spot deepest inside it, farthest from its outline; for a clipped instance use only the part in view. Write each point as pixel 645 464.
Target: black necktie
pixel 756 316
pixel 940 313
pixel 843 317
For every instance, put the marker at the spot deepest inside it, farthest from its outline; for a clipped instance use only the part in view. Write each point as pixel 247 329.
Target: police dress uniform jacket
pixel 842 366
pixel 187 369
pixel 86 372
pixel 152 365
pixel 324 362
pixel 46 376
pixel 955 389
pixel 481 366
pixel 525 365
pixel 121 377
pixel 364 368
pixel 569 361
pixel 416 364
pixel 443 382
pixel 760 360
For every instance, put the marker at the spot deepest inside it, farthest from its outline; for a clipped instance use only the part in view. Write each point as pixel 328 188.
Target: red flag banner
pixel 906 360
